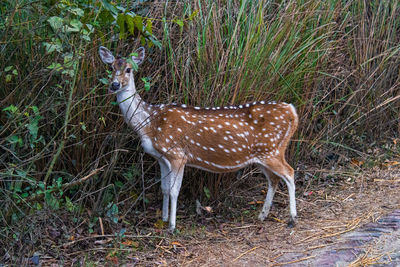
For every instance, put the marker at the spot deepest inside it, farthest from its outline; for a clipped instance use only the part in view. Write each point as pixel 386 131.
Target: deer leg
pixel 165 187
pixel 280 168
pixel 176 182
pixel 272 184
pixel 289 180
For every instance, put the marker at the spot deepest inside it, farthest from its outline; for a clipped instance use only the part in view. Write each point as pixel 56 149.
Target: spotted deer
pixel 216 139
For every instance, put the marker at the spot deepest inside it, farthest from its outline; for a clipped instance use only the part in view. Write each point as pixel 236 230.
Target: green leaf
pixel 155 41
pixel 130 23
pixel 122 232
pixel 120 8
pixel 133 63
pixel 146 84
pixel 55 66
pixel 77 11
pixel 53 202
pixel 8 68
pixel 109 7
pixel 55 45
pixel 143 41
pixel 207 192
pixel 11 108
pixel 56 22
pixel 103 80
pixel 41 185
pixel 33 128
pixel 69 72
pixel 112 213
pixel 8 78
pixel 194 14
pixel 69 60
pixel 35 110
pixel 149 26
pixel 14 139
pixel 179 22
pixel 119 184
pixel 76 26
pixel 50 48
pixel 121 25
pixel 138 23
pixel 69 205
pixel 89 27
pixel 85 36
pixel 59 182
pixel 22 173
pixel 15 72
pixel 83 126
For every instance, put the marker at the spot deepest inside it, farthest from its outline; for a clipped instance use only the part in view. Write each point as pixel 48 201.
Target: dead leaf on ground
pixel 159 224
pixel 111 257
pixel 131 243
pixel 357 162
pixel 176 243
pixel 208 209
pixel 258 202
pixel 389 163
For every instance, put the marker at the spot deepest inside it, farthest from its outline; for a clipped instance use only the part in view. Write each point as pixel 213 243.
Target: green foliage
pixel 147 85
pixel 207 192
pixel 32 125
pixel 130 24
pixel 10 73
pixel 112 212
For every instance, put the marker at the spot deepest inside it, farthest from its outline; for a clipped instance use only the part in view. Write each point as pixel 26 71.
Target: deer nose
pixel 115 86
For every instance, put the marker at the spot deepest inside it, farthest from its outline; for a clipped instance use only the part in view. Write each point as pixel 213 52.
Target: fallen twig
pixel 387 181
pixel 290 262
pixel 106 236
pixel 244 253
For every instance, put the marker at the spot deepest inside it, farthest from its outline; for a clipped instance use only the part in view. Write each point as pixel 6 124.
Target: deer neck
pixel 135 111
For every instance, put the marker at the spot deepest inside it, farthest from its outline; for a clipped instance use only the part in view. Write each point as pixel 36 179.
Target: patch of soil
pixel 230 236
pixel 324 216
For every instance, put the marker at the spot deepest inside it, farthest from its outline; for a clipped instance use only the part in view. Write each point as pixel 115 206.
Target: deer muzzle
pixel 115 86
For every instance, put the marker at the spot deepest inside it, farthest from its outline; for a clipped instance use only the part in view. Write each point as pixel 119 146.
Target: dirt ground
pixel 324 216
pixel 326 212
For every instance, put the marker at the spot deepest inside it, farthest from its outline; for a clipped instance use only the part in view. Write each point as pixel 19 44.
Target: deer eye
pixel 128 70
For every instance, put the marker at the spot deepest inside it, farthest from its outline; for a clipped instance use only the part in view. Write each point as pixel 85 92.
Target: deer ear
pixel 140 57
pixel 105 55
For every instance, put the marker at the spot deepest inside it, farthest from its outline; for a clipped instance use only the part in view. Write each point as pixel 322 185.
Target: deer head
pixel 122 70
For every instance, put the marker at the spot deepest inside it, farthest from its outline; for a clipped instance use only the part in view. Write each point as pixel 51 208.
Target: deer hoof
pixel 291 223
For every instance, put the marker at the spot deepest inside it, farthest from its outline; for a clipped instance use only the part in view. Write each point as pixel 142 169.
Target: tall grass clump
pixel 64 145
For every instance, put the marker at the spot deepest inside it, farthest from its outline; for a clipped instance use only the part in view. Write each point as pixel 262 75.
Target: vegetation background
pixel 66 154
